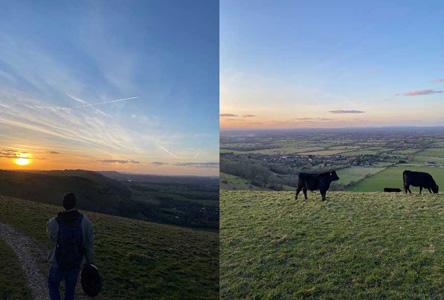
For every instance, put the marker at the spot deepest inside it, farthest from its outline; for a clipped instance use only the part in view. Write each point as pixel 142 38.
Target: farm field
pixel 392 177
pixel 352 246
pixel 354 174
pixel 271 159
pixel 137 259
pixel 430 155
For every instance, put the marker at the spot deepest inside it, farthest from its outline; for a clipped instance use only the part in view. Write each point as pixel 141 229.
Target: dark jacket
pixel 52 229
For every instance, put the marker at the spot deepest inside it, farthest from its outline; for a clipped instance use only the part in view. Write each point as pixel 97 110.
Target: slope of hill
pixel 352 246
pixel 49 187
pixel 138 259
pixel 185 201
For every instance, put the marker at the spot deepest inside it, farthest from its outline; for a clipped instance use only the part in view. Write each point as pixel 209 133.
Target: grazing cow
pixel 392 190
pixel 313 182
pixel 421 179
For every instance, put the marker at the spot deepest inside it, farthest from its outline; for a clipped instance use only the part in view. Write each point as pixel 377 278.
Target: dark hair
pixel 69 201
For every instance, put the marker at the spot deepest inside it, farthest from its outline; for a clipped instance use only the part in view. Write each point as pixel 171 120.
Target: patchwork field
pixel 352 246
pixel 354 174
pixel 392 177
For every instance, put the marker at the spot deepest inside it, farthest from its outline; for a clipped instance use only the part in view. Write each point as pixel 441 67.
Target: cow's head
pixel 333 176
pixel 435 189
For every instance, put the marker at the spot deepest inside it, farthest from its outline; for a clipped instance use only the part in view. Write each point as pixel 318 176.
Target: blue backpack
pixel 69 249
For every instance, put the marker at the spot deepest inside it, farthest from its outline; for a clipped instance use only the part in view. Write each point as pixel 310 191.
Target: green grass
pixel 232 182
pixel 347 175
pixel 352 246
pixel 13 284
pixel 392 177
pixel 138 259
pixel 430 155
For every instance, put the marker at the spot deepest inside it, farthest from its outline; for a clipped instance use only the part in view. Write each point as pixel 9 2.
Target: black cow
pixel 421 179
pixel 392 190
pixel 313 182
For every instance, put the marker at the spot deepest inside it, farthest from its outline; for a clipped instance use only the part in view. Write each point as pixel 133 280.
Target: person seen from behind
pixel 72 236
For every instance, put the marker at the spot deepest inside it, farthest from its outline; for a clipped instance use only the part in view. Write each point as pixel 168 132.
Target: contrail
pixel 98 103
pixel 176 156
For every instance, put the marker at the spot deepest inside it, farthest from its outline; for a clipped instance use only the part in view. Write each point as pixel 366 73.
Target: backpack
pixel 69 249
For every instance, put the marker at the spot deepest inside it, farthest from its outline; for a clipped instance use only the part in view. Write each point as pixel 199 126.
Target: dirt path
pixel 26 250
pixel 31 254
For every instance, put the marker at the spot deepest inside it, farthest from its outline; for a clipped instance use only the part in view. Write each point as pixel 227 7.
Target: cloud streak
pixel 119 161
pixel 228 115
pixel 351 111
pixel 421 93
pixel 159 163
pixel 199 165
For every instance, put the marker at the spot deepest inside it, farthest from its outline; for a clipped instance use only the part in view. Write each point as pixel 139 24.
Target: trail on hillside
pixel 26 250
pixel 30 254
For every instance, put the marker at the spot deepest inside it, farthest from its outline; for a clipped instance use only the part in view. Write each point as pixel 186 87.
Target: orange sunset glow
pixel 23 159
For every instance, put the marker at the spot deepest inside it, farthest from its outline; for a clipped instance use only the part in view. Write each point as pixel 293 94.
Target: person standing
pixel 72 236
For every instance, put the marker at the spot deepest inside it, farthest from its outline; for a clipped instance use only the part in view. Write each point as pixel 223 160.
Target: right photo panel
pixel 331 150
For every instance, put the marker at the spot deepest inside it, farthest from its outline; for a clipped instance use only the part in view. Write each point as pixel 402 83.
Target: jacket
pixel 52 229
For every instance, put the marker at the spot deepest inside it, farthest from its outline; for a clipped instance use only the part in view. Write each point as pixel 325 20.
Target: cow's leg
pixel 299 188
pixel 430 191
pixel 305 192
pixel 420 189
pixel 323 193
pixel 407 188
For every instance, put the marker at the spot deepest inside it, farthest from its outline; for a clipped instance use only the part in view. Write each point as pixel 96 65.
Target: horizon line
pixel 356 127
pixel 131 173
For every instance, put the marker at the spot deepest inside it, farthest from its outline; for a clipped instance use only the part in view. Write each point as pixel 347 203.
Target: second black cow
pixel 421 179
pixel 313 182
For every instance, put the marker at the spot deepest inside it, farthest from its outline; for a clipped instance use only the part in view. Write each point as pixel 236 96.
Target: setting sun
pixel 23 160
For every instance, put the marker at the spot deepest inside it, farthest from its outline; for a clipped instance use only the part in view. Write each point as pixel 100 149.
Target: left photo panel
pixel 109 150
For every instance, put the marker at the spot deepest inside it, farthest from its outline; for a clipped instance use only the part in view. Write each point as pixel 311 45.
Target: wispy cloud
pixel 422 92
pixel 351 111
pixel 439 80
pixel 53 152
pixel 7 153
pixel 313 119
pixel 228 115
pixel 159 163
pixel 199 164
pixel 248 116
pixel 119 161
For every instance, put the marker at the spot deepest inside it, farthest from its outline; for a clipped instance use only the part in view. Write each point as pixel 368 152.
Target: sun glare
pixel 22 160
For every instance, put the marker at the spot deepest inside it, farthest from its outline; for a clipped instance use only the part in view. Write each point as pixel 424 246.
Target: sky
pixel 129 86
pixel 291 64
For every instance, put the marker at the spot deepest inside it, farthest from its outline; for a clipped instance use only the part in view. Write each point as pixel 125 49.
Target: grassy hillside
pixel 138 259
pixel 392 177
pixel 352 246
pixel 12 277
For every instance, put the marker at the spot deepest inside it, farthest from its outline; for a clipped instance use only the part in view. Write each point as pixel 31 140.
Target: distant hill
pixel 95 192
pixel 185 201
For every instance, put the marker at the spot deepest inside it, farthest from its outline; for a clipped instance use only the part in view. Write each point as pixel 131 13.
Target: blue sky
pixel 331 63
pixel 56 56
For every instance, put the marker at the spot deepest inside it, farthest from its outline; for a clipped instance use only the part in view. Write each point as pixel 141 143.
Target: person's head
pixel 69 201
